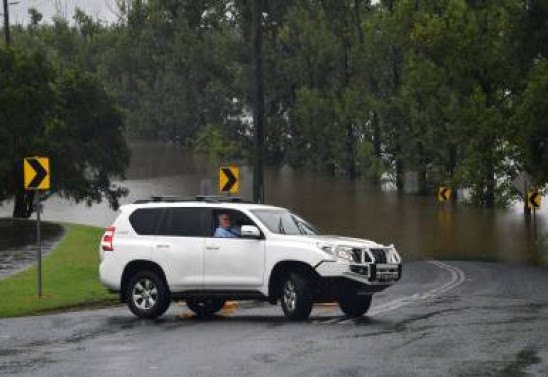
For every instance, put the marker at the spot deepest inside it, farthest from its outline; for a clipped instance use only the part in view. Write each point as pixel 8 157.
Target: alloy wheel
pixel 145 294
pixel 290 296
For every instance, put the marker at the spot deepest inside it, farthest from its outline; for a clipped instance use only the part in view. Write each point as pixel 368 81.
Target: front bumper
pixel 340 279
pixel 371 274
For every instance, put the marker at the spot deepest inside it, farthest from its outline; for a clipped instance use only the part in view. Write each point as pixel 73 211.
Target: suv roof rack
pixel 197 198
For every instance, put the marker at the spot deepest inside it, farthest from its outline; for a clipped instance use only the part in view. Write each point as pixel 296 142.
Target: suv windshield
pixel 285 222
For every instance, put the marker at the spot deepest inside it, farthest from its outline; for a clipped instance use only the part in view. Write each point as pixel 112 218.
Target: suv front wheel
pixel 296 297
pixel 355 305
pixel 147 295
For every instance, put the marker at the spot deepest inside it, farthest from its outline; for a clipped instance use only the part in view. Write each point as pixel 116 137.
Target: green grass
pixel 69 274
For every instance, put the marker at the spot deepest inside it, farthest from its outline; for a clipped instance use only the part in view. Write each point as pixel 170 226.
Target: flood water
pixel 18 243
pixel 418 226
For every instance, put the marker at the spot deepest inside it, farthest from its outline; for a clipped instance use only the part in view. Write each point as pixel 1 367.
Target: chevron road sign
pixel 36 171
pixel 444 194
pixel 36 177
pixel 534 199
pixel 229 179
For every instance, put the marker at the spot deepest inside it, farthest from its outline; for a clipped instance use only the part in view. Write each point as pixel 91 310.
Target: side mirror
pixel 250 231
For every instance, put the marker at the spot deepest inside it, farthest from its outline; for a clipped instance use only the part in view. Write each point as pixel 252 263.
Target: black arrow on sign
pixel 231 179
pixel 533 200
pixel 41 173
pixel 444 193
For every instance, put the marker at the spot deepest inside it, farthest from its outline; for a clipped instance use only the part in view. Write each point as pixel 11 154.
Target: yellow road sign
pixel 36 171
pixel 534 199
pixel 444 194
pixel 229 179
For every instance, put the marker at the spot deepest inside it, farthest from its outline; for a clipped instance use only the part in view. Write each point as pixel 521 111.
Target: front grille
pixel 357 255
pixel 360 256
pixel 379 255
pixel 362 270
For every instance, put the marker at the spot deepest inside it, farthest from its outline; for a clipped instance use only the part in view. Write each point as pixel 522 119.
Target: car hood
pixel 348 241
pixel 336 240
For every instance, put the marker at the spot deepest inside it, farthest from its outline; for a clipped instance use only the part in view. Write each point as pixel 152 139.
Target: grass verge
pixel 69 274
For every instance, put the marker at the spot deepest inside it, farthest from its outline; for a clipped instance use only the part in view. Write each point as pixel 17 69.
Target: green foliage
pixel 211 140
pixel 86 142
pixel 450 89
pixel 65 115
pixel 27 96
pixel 530 119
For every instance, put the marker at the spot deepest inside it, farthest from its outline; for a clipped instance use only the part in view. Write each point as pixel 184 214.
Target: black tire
pixel 147 295
pixel 297 297
pixel 354 305
pixel 205 307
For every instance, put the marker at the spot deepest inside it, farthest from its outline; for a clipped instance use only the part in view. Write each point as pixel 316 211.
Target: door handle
pixel 162 246
pixel 213 246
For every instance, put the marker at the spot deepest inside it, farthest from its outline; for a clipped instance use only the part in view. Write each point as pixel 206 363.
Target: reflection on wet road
pixel 463 319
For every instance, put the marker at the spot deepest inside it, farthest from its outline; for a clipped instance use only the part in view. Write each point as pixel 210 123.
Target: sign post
pixel 38 209
pixel 521 183
pixel 36 178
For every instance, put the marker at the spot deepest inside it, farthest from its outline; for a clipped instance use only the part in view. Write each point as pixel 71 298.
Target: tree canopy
pixel 66 115
pixel 452 90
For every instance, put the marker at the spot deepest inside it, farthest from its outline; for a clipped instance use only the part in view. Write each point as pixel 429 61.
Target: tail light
pixel 106 243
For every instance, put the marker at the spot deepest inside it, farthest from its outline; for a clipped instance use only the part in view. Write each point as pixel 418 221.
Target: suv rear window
pixel 186 222
pixel 145 220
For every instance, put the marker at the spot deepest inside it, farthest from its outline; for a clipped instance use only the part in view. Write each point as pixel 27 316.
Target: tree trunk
pixel 423 184
pixel 399 174
pixel 23 204
pixel 377 148
pixel 489 198
pixel 451 166
pixel 351 150
pixel 376 137
pixel 399 161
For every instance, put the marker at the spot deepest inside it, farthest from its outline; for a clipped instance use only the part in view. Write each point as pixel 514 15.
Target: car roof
pixel 202 204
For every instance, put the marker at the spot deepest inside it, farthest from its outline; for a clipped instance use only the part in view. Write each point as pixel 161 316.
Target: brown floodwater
pixel 418 226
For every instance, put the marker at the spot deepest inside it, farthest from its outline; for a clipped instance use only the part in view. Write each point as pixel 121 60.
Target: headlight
pixel 340 252
pixel 344 252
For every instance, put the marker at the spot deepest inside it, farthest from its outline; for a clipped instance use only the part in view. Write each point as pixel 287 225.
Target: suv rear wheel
pixel 296 297
pixel 205 307
pixel 147 295
pixel 355 305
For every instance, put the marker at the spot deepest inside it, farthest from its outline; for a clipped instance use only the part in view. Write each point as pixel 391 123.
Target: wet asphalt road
pixel 451 318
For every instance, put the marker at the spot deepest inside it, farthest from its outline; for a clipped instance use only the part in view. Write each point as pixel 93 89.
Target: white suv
pixel 163 249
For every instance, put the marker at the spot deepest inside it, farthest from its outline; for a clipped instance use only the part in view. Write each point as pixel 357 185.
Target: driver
pixel 225 230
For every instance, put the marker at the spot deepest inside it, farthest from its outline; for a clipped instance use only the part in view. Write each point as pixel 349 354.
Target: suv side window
pixel 186 222
pixel 145 220
pixel 237 219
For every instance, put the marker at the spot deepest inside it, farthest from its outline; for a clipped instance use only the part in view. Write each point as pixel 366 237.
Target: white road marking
pixel 457 278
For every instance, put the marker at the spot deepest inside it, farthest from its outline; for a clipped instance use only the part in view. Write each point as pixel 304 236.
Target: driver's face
pixel 224 221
